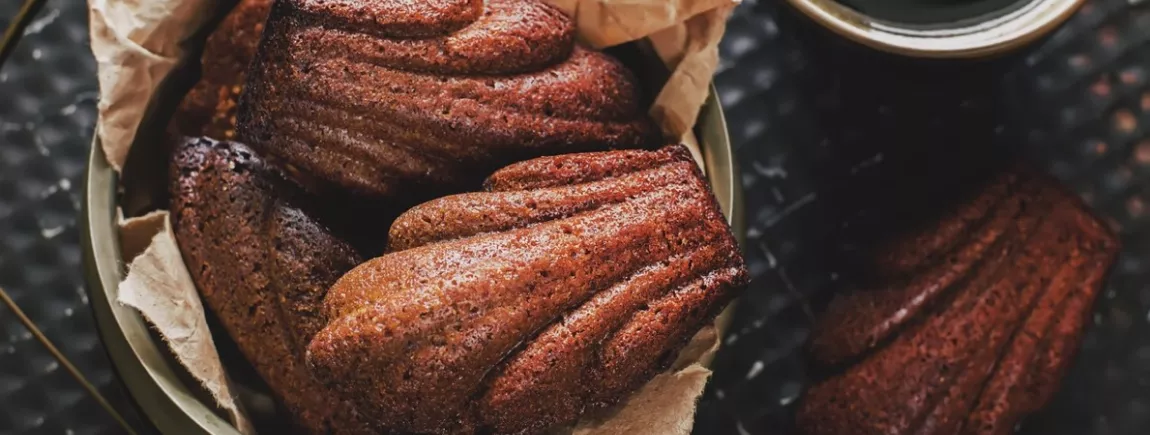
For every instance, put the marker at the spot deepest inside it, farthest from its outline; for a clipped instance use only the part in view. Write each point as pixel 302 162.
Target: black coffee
pixel 925 12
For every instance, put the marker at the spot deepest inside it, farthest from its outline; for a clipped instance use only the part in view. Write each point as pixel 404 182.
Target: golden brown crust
pixel 342 91
pixel 536 191
pixel 263 266
pixel 535 306
pixel 975 322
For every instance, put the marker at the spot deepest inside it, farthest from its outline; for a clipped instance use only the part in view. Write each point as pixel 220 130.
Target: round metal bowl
pixel 162 390
pixel 993 35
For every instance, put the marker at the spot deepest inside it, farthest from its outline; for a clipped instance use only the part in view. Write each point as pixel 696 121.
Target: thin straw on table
pixel 16 27
pixel 63 360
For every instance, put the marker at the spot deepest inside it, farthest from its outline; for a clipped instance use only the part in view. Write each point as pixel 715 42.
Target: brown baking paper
pixel 159 286
pixel 137 43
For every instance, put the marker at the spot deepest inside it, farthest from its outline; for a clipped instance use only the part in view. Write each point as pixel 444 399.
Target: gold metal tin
pixel 163 391
pixel 987 38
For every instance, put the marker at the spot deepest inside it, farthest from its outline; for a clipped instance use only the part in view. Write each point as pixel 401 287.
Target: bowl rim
pixel 995 36
pixel 144 365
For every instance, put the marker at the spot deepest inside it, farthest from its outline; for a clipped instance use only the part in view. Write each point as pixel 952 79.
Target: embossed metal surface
pixel 1077 105
pixel 47 111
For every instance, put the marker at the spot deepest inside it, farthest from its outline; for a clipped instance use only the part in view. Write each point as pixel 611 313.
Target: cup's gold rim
pixel 170 404
pixel 1038 18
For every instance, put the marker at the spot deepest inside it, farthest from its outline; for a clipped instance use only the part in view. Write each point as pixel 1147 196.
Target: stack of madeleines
pixel 449 217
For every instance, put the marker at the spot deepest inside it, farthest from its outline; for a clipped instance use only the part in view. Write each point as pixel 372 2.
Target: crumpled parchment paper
pixel 159 286
pixel 137 43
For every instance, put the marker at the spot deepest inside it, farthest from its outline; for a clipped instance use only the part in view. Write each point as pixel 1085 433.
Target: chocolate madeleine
pixel 565 286
pixel 973 321
pixel 390 98
pixel 209 108
pixel 263 265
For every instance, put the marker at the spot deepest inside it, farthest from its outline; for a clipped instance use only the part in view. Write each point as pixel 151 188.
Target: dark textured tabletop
pixel 1078 105
pixel 47 112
